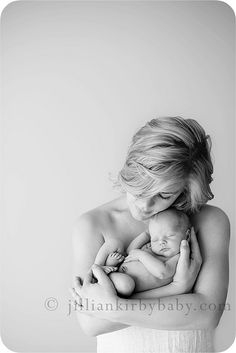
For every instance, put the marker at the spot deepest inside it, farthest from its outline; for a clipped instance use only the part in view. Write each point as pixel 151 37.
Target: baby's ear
pixel 188 232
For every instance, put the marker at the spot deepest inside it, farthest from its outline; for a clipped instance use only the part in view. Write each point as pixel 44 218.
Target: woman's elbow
pixel 214 319
pixel 87 325
pixel 209 320
pixel 89 330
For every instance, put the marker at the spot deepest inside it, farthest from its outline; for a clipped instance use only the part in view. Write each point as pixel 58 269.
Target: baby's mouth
pixel 164 249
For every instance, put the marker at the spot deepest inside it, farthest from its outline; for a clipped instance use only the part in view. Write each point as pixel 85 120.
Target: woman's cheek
pixel 162 205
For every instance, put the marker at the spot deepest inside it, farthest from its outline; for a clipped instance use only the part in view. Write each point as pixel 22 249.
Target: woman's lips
pixel 145 214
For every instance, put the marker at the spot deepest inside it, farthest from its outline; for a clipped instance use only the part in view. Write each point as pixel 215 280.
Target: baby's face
pixel 166 235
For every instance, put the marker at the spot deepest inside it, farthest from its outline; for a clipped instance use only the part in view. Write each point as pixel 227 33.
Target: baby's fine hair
pixel 183 219
pixel 164 153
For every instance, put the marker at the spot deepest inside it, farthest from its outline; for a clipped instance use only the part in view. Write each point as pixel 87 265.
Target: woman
pixel 168 164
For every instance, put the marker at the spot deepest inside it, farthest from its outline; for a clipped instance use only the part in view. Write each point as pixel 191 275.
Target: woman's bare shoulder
pixel 213 228
pixel 91 221
pixel 99 219
pixel 210 216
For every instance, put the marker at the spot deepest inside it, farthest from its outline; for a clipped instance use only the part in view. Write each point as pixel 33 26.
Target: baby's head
pixel 167 229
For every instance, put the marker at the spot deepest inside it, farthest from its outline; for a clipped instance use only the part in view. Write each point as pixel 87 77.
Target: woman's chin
pixel 139 216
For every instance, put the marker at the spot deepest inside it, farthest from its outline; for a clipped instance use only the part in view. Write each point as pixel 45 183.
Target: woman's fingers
pixel 195 250
pixel 184 254
pixel 104 281
pixel 76 296
pixel 78 283
pixel 88 279
pixel 99 274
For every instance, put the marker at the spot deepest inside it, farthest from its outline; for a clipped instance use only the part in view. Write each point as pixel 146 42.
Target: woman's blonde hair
pixel 164 153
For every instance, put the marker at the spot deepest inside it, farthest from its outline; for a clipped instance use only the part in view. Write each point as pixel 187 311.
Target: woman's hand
pixel 96 292
pixel 189 264
pixel 134 255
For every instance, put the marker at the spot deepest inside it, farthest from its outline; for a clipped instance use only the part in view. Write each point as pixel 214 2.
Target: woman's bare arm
pixel 86 241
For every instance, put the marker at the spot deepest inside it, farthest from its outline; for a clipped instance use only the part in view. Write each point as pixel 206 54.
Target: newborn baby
pixel 152 258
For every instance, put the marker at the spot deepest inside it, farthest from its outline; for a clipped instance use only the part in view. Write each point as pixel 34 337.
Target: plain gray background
pixel 79 78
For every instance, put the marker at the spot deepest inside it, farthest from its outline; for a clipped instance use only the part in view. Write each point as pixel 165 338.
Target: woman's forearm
pixel 164 291
pixel 93 326
pixel 180 312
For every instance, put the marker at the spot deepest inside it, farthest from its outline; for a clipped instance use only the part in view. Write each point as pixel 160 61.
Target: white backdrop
pixel 79 78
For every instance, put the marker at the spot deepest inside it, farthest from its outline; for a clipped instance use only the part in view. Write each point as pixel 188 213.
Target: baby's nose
pixel 162 242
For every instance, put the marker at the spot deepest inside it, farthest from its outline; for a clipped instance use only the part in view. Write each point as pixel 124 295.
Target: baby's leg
pixel 114 259
pixel 123 283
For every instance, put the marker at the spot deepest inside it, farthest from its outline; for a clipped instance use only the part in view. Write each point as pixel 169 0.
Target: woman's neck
pixel 121 203
pixel 121 206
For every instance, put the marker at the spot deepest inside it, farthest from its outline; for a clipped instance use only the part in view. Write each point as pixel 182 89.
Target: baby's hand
pixel 134 255
pixel 146 246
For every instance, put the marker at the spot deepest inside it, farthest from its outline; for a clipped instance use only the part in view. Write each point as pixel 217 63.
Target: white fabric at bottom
pixel 145 340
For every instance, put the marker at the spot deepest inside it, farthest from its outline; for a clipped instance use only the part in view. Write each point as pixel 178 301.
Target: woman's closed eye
pixel 164 197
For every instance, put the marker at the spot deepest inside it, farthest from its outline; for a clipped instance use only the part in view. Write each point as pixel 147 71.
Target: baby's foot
pixel 114 259
pixel 109 269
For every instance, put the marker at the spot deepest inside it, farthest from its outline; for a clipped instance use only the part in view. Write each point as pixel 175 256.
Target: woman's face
pixel 144 208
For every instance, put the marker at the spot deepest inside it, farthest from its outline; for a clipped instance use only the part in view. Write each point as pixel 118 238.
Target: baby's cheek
pixel 175 244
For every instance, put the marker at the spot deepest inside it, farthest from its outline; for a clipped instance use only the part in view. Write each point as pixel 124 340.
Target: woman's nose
pixel 145 205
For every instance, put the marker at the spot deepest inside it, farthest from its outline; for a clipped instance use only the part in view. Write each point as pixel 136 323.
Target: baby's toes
pixel 121 258
pixel 118 255
pixel 112 268
pixel 109 269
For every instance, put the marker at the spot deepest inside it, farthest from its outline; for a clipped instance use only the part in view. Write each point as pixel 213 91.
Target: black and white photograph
pixel 118 222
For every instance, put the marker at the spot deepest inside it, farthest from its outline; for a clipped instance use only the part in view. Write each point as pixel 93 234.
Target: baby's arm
pixel 155 266
pixel 138 242
pixel 102 254
pixel 106 249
